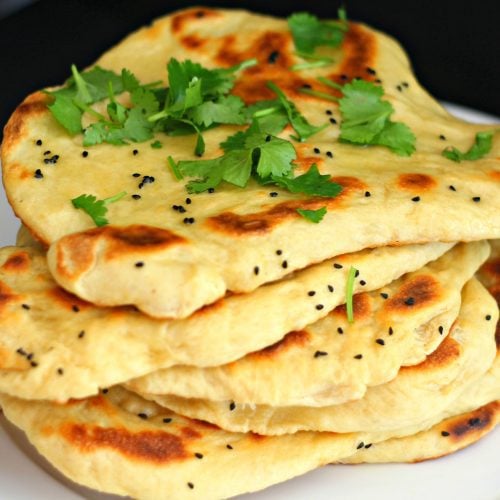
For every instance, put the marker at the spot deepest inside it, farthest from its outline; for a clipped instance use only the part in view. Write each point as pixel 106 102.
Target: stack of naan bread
pixel 158 359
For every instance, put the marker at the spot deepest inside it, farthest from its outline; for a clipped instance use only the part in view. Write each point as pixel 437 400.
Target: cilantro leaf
pixel 349 294
pixel 481 147
pixel 95 208
pixel 67 113
pixel 309 32
pixel 366 119
pixel 156 145
pixel 226 109
pixel 311 183
pixel 301 126
pixel 272 156
pixel 315 216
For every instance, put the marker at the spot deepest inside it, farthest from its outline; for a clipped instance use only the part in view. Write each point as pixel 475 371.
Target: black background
pixel 454 46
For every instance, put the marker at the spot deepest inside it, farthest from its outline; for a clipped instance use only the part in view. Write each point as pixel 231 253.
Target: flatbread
pixel 416 394
pixel 238 231
pixel 316 366
pixel 56 346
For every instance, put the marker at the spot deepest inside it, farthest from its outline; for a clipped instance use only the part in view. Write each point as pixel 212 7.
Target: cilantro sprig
pixel 315 216
pixel 349 301
pixel 96 209
pixel 481 147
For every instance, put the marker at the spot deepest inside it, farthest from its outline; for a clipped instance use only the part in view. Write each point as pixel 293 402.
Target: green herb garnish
pixel 96 209
pixel 349 294
pixel 315 216
pixel 481 147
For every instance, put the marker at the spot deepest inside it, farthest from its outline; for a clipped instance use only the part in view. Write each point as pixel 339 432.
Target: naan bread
pixel 417 393
pixel 56 346
pixel 238 231
pixel 316 365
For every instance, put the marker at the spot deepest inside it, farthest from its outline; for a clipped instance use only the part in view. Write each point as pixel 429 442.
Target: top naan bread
pixel 238 231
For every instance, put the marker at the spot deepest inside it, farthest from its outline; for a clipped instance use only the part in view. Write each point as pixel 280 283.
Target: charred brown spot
pixel 6 294
pixel 446 354
pixel 180 20
pixel 17 263
pixel 149 446
pixel 416 182
pixel 290 340
pixel 257 437
pixel 141 236
pixel 33 105
pixel 210 308
pixel 472 423
pixel 192 41
pixel 361 305
pixel 492 269
pixel 205 424
pixel 262 222
pixel 421 291
pixel 189 433
pixel 68 300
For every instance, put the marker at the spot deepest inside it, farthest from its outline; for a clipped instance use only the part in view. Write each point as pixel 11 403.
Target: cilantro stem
pixel 313 57
pixel 349 294
pixel 329 83
pixel 81 85
pixel 158 116
pixel 175 168
pixel 317 93
pixel 265 112
pixel 87 109
pixel 114 198
pixel 310 65
pixel 243 65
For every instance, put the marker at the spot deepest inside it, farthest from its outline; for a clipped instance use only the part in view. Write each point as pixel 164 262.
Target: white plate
pixel 471 474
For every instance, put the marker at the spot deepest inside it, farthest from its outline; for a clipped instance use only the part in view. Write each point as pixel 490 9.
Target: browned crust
pixel 180 20
pixel 361 306
pixel 6 295
pixel 16 263
pixel 293 339
pixel 446 354
pixel 420 292
pixel 416 182
pixel 67 300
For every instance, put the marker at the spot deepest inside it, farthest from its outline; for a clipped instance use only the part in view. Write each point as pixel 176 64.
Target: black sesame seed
pixel 367 194
pixel 38 174
pixel 191 485
pixel 311 293
pixel 362 282
pixel 405 84
pixel 356 274
pixel 410 301
pixel 136 174
pixel 105 391
pixel 487 317
pixel 318 354
pixel 416 198
pixel 81 334
pixel 45 153
pixel 85 154
pixel 139 264
pixel 442 137
pixel 333 121
pixel 232 406
pixel 391 331
pixel 268 138
pixel 29 357
pixel 256 270
pixel 474 421
pixel 452 188
pixel 136 196
pixel 358 356
pixel 273 194
pixel 340 330
pixel 371 71
pixel 211 190
pixel 380 341
pixel 338 266
pixel 198 455
pixel 135 152
pixel 167 420
pixel 369 445
pixel 52 160
pixel 26 306
pixel 181 209
pixel 399 88
pixel 384 295
pixel 21 351
pixel 319 307
pixel 329 112
pixel 188 201
pixel 360 445
pixel 229 447
pixel 279 252
pixel 60 371
pixel 441 330
pixel 329 154
pixel 34 364
pixel 142 415
pixel 476 199
pixel 188 220
pixel 317 151
pixel 445 433
pixel 284 264
pixel 273 57
pixel 378 80
pixel 75 308
pixel 330 288
pixel 39 142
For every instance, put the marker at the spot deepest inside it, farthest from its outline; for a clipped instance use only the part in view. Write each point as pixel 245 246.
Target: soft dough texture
pixel 238 230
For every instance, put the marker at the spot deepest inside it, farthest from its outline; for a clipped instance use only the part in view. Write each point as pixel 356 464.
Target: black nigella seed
pixel 338 266
pixel 452 188
pixel 369 445
pixel 26 306
pixel 362 282
pixel 38 174
pixel 167 420
pixel 284 264
pixel 340 330
pixel 476 199
pixel 21 351
pixel 487 317
pixel 45 153
pixel 415 198
pixel 441 330
pixel 39 142
pixel 232 406
pixel 139 264
pixel 378 80
pixel 306 86
pixel 410 301
pixel 273 57
pixel 198 455
pixel 391 331
pixel 333 121
pixel 405 84
pixel 135 152
pixel 367 194
pixel 445 433
pixel 356 274
pixel 442 137
pixel 142 415
pixel 34 364
pixel 343 77
pixel 60 371
pixel 268 138
pixel 319 307
pixel 380 341
pixel 30 356
pixel 358 356
pixel 317 151
pixel 211 190
pixel 136 196
pixel 75 308
pixel 85 154
pixel 191 485
pixel 318 354
pixel 81 334
pixel 279 252
pixel 330 288
pixel 360 445
pixel 384 295
pixel 329 154
pixel 371 71
pixel 188 220
pixel 474 421
pixel 273 194
pixel 399 88
pixel 188 201
pixel 256 270
pixel 312 293
pixel 329 112
pixel 105 391
pixel 52 160
pixel 229 447
pixel 136 174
